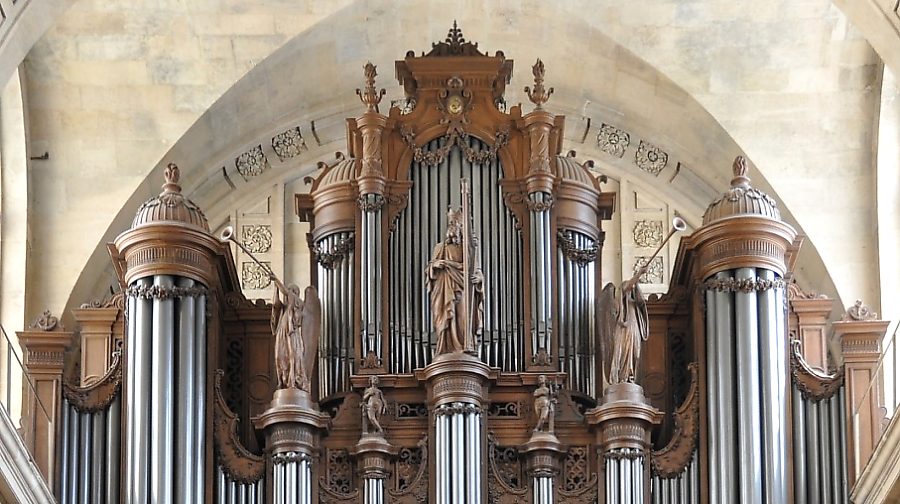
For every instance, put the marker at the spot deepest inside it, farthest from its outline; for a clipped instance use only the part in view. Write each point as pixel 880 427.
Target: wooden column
pixel 97 341
pixel 860 333
pixel 811 319
pixel 44 344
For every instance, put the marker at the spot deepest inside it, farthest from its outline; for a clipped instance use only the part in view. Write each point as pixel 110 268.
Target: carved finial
pixel 45 322
pixel 370 97
pixel 740 172
pixel 455 36
pixel 172 174
pixel 539 95
pixel 859 311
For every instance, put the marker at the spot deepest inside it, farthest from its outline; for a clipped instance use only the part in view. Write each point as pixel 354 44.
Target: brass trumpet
pixel 227 235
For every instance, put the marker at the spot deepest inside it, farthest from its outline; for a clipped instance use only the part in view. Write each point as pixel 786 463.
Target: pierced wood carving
pixel 505 482
pixel 236 461
pixel 813 385
pixel 97 396
pixel 411 475
pixel 671 460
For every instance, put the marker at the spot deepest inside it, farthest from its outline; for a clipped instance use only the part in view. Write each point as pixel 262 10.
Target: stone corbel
pixel 672 459
pixel 235 460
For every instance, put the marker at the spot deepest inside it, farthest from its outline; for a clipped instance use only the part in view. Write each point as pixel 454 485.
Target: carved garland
pixel 540 206
pixel 813 385
pixel 370 202
pixel 161 292
pixel 571 252
pixel 672 459
pixel 743 284
pixel 99 395
pixel 235 460
pixel 454 138
pixel 330 259
pixel 456 408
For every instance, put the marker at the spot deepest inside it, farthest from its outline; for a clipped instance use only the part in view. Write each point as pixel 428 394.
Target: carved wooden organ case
pixel 737 388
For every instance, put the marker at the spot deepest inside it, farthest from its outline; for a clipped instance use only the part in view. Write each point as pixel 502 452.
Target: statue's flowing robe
pixel 289 344
pixel 445 278
pixel 632 329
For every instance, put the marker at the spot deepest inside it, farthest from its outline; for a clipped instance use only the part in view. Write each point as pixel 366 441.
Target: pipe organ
pixel 457 343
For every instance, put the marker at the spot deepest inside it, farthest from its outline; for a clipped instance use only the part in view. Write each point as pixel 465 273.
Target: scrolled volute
pixel 98 395
pixel 813 385
pixel 235 460
pixel 671 460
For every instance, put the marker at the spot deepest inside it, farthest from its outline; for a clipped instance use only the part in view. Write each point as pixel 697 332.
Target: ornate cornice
pixel 814 386
pixel 99 395
pixel 672 459
pixel 235 460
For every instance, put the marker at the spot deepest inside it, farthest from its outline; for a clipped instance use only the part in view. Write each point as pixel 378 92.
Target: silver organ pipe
pixel 682 488
pixel 576 315
pixel 89 452
pixel 336 291
pixel 421 225
pixel 820 470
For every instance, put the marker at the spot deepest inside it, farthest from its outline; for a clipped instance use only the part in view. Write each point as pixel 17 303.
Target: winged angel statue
pixel 296 323
pixel 624 327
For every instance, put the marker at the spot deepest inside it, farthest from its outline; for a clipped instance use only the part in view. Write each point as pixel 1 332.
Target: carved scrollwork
pixel 98 395
pixel 813 385
pixel 859 311
pixel 412 475
pixel 542 358
pixel 329 496
pixel 671 460
pixel 650 158
pixel 46 321
pixel 370 361
pixel 587 495
pixel 505 475
pixel 328 259
pixel 235 460
pixel 571 251
pixel 540 206
pixel 795 292
pixel 116 301
pixel 454 137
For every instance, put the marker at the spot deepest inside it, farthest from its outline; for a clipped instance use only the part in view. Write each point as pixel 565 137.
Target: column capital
pixel 624 418
pixel 457 377
pixel 292 423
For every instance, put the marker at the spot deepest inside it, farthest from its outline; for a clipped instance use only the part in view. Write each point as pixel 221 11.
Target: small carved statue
pixel 624 328
pixel 373 406
pixel 296 324
pixel 446 278
pixel 545 404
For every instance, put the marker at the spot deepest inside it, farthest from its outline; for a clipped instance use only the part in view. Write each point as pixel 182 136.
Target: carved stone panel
pixel 654 273
pixel 648 233
pixel 253 276
pixel 257 238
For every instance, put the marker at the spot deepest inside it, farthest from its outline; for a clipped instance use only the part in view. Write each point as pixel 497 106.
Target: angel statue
pixel 624 327
pixel 446 279
pixel 296 324
pixel 545 404
pixel 373 406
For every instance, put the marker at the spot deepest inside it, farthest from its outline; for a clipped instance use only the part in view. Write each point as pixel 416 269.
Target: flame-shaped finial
pixel 740 173
pixel 539 95
pixel 369 96
pixel 455 36
pixel 172 174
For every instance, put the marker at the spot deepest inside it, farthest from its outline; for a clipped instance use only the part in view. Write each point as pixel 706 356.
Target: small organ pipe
pixel 98 459
pixel 800 451
pixel 812 453
pixel 65 446
pixel 84 479
pixel 198 443
pixel 184 406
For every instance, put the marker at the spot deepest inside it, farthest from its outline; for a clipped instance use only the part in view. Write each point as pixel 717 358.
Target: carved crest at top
pixel 455 101
pixel 539 95
pixel 455 45
pixel 369 96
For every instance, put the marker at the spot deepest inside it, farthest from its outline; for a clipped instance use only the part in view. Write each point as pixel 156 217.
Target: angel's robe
pixel 632 329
